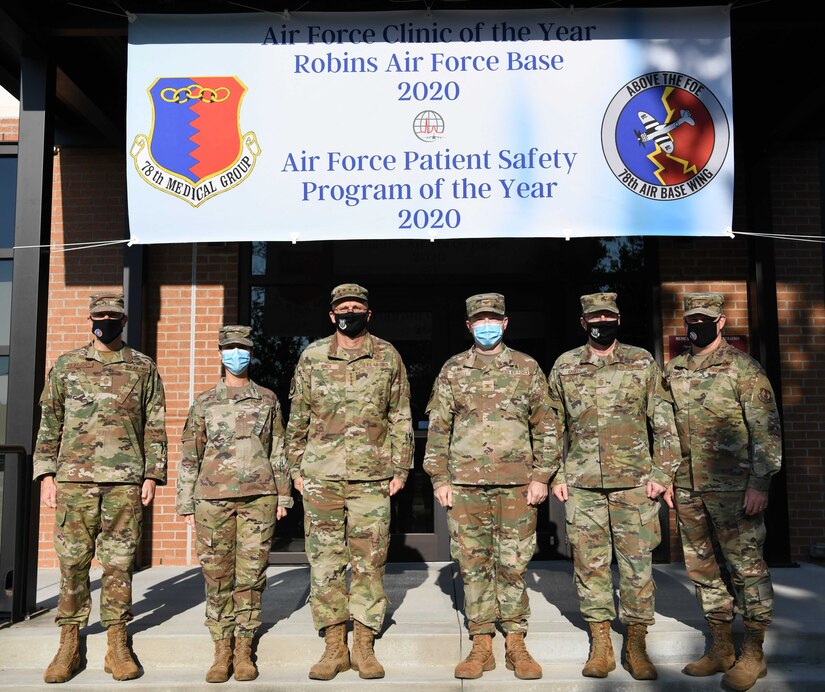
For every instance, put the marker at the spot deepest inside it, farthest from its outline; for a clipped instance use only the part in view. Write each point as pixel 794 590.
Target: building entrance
pixel 417 293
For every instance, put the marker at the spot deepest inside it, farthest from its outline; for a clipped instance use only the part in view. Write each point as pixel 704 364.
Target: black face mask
pixel 603 333
pixel 107 330
pixel 702 334
pixel 351 324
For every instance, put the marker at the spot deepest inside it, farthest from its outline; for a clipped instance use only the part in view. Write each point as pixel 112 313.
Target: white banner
pixel 446 124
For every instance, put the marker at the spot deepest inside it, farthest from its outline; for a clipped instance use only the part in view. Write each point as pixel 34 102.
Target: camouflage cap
pixel 349 292
pixel 235 334
pixel 598 302
pixel 704 304
pixel 485 302
pixel 106 302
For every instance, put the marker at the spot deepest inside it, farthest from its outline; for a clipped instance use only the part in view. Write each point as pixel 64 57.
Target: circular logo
pixel 428 126
pixel 665 135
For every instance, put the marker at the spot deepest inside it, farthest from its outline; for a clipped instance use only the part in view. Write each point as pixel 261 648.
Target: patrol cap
pixel 106 302
pixel 485 302
pixel 598 302
pixel 349 292
pixel 235 334
pixel 704 304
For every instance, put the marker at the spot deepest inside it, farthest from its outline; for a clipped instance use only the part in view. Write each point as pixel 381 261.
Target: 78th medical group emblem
pixel 195 150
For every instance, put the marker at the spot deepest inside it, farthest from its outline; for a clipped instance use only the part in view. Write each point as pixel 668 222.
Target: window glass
pixel 4 399
pixel 8 191
pixel 258 258
pixel 5 301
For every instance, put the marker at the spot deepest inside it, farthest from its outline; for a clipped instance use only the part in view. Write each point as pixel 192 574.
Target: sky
pixel 9 106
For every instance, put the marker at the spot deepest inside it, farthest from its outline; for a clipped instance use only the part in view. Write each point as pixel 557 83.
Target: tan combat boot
pixel 119 661
pixel 518 659
pixel 636 661
pixel 335 658
pixel 242 663
pixel 222 665
pixel 601 660
pixel 479 659
pixel 750 666
pixel 719 657
pixel 67 659
pixel 363 655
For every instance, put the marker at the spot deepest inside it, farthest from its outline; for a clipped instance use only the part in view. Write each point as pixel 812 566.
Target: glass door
pixel 417 295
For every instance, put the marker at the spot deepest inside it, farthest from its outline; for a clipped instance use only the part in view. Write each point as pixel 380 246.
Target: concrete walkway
pixel 425 634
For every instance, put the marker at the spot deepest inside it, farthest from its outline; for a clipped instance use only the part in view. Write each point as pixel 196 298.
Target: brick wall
pixel 801 310
pixel 170 331
pixel 8 129
pixel 690 265
pixel 721 265
pixel 89 204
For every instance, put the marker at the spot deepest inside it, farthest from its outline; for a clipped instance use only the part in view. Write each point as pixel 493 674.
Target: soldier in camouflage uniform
pixel 491 441
pixel 233 484
pixel 609 396
pixel 350 447
pixel 731 443
pixel 101 449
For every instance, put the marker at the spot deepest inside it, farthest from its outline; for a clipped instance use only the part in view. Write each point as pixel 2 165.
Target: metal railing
pixel 18 577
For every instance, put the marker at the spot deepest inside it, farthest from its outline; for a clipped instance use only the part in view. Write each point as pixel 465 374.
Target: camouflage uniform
pixel 233 477
pixel 491 432
pixel 605 406
pixel 102 433
pixel 730 437
pixel 349 433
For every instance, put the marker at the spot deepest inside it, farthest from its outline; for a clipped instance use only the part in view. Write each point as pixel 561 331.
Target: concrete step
pixel 407 645
pixel 557 678
pixel 425 633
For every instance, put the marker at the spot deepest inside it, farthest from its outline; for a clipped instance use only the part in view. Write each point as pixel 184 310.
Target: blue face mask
pixel 488 335
pixel 235 360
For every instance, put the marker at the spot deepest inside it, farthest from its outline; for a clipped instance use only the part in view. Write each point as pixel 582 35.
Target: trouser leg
pixel 121 520
pixel 515 546
pixel 216 530
pixel 368 534
pixel 742 542
pixel 472 524
pixel 634 522
pixel 256 527
pixel 325 520
pixel 76 525
pixel 588 530
pixel 701 563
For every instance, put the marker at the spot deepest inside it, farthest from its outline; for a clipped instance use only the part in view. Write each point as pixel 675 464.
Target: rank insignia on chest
pixel 105 381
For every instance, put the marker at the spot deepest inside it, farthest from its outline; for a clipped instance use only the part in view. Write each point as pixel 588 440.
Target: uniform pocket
pixel 527 527
pixel 126 385
pixel 722 398
pixel 517 402
pixel 372 385
pixel 577 387
pixel 203 534
pixel 651 529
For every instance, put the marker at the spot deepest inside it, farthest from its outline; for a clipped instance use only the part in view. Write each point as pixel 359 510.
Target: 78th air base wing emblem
pixel 195 149
pixel 665 135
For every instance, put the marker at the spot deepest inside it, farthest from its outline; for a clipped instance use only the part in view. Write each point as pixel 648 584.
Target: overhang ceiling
pixel 776 53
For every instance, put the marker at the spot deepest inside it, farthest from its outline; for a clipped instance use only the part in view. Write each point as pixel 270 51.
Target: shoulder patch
pixel 765 396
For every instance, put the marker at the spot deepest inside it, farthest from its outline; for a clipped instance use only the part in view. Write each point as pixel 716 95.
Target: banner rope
pixel 295 237
pixel 69 247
